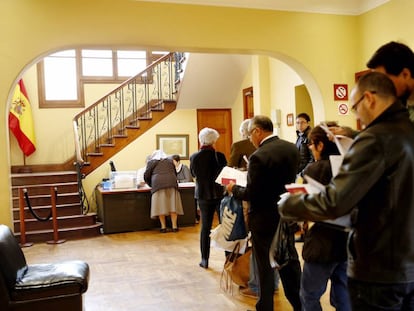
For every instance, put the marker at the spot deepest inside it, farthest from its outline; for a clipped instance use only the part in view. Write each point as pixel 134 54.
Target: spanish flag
pixel 21 120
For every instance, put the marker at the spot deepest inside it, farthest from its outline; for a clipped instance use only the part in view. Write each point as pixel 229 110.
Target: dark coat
pixel 305 155
pixel 376 184
pixel 238 150
pixel 271 167
pixel 205 166
pixel 323 244
pixel 160 174
pixel 184 174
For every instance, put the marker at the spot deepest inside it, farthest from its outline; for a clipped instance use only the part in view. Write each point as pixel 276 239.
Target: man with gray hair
pixel 376 185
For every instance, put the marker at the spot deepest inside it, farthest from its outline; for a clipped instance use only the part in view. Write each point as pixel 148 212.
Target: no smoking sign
pixel 343 109
pixel 340 91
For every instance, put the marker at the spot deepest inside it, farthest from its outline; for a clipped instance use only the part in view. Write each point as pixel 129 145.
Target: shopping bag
pixel 232 218
pixel 219 242
pixel 236 269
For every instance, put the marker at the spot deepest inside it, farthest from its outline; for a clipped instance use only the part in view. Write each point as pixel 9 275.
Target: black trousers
pixel 263 228
pixel 207 210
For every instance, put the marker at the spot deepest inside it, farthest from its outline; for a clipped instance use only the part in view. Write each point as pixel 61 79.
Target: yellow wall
pixel 322 49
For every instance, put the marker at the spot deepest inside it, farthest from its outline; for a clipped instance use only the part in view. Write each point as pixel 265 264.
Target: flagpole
pixel 25 169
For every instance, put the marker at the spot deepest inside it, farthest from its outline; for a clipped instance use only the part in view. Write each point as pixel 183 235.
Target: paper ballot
pixel 343 221
pixel 314 186
pixel 342 142
pixel 229 174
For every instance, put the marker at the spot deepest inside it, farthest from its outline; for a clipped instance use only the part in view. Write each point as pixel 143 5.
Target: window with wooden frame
pixel 62 75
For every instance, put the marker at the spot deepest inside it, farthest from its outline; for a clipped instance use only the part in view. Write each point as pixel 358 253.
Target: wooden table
pixel 122 210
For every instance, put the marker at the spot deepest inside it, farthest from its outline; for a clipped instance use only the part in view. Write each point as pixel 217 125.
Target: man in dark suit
pixel 271 166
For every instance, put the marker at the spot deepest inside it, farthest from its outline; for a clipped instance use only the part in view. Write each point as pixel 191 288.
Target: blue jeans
pixel 253 278
pixel 315 277
pixel 380 297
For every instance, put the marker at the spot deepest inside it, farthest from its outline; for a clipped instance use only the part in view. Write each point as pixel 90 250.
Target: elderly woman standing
pixel 160 175
pixel 205 166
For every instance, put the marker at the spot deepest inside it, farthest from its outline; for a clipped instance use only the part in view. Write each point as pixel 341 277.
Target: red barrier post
pixel 23 242
pixel 56 240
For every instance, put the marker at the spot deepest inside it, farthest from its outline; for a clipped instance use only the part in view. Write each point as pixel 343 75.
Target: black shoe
pixel 163 230
pixel 204 263
pixel 175 230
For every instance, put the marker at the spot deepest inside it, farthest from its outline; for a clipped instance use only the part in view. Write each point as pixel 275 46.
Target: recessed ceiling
pixel 343 7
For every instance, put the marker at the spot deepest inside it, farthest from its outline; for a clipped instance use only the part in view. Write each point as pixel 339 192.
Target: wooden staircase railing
pixel 114 121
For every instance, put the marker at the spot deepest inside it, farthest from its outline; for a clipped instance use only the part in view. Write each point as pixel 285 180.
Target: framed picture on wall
pixel 290 119
pixel 174 144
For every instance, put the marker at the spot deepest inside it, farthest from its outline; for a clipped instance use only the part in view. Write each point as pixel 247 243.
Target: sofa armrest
pixel 46 280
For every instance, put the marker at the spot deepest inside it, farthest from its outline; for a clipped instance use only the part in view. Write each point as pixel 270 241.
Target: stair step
pixel 44 211
pixel 45 188
pixel 63 222
pixel 46 200
pixel 43 178
pixel 95 154
pixel 63 233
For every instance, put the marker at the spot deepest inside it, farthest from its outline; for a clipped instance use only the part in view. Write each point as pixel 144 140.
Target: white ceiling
pixel 344 7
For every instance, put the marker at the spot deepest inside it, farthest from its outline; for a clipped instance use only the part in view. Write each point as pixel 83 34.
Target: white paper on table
pixel 228 174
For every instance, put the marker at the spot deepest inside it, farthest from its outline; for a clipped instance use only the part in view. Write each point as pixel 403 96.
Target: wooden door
pixel 248 108
pixel 220 120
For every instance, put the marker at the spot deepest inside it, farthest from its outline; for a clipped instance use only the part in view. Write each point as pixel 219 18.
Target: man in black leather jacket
pixel 376 185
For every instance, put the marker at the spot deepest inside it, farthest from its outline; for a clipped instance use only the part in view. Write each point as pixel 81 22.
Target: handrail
pixel 124 106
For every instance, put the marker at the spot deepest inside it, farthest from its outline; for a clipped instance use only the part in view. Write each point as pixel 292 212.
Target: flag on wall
pixel 21 120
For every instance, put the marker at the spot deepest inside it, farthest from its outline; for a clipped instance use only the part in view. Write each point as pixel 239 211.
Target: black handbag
pixel 282 247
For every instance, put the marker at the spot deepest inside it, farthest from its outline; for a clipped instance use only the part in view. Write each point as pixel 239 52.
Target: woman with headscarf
pixel 205 166
pixel 161 176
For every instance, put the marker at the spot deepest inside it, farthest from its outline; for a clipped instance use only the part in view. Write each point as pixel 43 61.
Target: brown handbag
pixel 236 269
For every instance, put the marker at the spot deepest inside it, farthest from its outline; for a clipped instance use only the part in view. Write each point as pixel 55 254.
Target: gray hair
pixel 157 155
pixel 244 128
pixel 208 136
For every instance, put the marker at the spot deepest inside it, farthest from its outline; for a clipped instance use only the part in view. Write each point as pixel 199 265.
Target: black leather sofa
pixel 55 286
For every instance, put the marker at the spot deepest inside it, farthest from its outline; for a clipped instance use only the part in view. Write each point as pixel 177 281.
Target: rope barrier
pixel 26 196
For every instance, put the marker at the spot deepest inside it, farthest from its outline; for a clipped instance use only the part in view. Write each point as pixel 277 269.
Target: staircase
pixel 101 130
pixel 72 222
pixel 109 125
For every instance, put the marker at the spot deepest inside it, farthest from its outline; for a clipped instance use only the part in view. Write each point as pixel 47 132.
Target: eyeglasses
pixel 355 106
pixel 251 132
